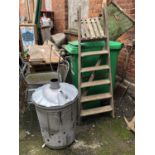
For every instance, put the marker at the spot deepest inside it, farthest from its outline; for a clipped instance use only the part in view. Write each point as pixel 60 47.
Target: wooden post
pixel 33 5
pixel 105 20
pixel 28 10
pixel 104 3
pixel 79 61
pixel 35 9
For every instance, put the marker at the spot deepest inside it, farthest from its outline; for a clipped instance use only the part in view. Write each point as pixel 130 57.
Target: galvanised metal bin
pixel 56 107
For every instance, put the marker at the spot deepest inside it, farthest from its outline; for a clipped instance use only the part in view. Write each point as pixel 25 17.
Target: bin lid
pixel 72 47
pixel 58 97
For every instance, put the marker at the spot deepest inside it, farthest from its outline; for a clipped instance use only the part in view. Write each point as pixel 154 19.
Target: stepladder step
pixel 95 83
pixel 83 54
pixel 95 68
pixel 95 97
pixel 94 111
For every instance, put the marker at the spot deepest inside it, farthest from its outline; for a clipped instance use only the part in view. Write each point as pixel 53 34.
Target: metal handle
pixel 65 96
pixel 58 68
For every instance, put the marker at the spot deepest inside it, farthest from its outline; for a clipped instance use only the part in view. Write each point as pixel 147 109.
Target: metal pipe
pixel 55 83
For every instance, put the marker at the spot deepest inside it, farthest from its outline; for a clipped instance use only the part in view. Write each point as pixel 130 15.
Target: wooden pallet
pixel 91 29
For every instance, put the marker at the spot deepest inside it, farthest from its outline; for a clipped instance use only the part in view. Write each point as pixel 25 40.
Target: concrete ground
pixel 97 135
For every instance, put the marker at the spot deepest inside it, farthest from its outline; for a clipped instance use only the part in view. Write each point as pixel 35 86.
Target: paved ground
pixel 99 135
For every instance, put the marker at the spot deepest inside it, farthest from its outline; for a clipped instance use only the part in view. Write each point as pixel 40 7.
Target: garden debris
pixel 27 132
pixel 82 145
pixel 130 124
pixel 43 145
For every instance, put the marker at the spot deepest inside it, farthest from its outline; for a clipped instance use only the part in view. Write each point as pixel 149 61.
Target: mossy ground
pixel 98 135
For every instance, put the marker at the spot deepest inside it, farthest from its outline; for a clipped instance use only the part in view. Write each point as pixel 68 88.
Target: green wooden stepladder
pixel 90 29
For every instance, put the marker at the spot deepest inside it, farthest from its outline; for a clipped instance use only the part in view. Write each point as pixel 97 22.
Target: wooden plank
pixel 90 28
pixel 130 124
pixel 83 32
pixel 96 68
pixel 94 53
pixel 35 9
pixel 106 30
pixel 33 6
pixel 95 83
pixel 79 60
pixel 85 29
pixel 95 27
pixel 99 27
pixel 95 111
pixel 95 97
pixel 28 10
pixel 104 3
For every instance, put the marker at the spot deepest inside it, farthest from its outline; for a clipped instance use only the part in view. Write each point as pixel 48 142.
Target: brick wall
pixel 128 6
pixel 95 7
pixel 130 71
pixel 60 15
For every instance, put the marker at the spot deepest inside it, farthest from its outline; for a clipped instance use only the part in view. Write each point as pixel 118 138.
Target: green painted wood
pixel 118 21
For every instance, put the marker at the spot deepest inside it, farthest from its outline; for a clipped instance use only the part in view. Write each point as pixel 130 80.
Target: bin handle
pixel 64 95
